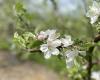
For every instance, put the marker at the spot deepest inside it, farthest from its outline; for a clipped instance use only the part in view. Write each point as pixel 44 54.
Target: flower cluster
pixel 94 12
pixel 50 47
pixel 52 43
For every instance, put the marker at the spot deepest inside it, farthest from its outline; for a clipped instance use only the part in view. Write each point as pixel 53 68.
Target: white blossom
pixel 66 41
pixel 70 54
pixel 52 35
pixel 69 62
pixel 42 35
pixel 96 75
pixel 50 48
pixel 48 34
pixel 83 53
pixel 94 12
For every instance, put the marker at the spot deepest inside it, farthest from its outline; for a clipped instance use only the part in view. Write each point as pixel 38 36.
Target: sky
pixel 65 6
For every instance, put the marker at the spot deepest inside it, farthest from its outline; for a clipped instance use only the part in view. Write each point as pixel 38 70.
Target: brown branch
pixel 33 50
pixel 90 54
pixel 97 38
pixel 96 62
pixel 89 68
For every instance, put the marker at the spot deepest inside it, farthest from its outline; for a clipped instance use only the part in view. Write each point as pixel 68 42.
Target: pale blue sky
pixel 65 6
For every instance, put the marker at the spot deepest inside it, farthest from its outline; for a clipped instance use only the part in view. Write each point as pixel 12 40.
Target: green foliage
pixel 19 40
pixel 19 8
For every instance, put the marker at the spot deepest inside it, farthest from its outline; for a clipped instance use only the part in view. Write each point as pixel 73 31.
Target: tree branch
pixel 90 54
pixel 33 50
pixel 89 68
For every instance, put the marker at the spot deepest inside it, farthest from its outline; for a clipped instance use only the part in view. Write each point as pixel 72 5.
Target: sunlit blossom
pixel 94 12
pixel 48 34
pixel 66 41
pixel 42 35
pixel 96 75
pixel 71 55
pixel 50 48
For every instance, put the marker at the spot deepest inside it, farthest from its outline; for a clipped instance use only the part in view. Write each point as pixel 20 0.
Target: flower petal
pixel 52 34
pixel 66 41
pixel 94 12
pixel 56 43
pixel 68 37
pixel 42 35
pixel 54 51
pixel 44 48
pixel 69 63
pixel 71 54
pixel 96 75
pixel 94 19
pixel 82 53
pixel 47 55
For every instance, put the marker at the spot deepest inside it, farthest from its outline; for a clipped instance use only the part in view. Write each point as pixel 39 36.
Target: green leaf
pixel 35 43
pixel 19 41
pixel 28 35
pixel 18 7
pixel 98 43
